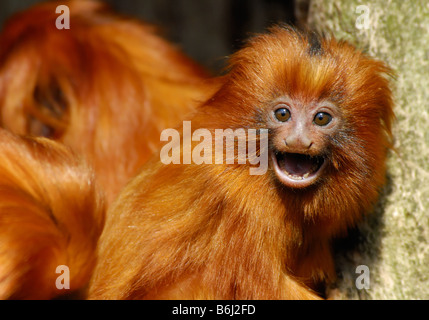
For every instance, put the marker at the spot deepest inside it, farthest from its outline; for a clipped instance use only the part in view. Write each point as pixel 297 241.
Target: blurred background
pixel 206 30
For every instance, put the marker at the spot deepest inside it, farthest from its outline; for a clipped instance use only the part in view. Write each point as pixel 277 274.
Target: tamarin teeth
pixel 298 166
pixel 295 177
pixel 304 176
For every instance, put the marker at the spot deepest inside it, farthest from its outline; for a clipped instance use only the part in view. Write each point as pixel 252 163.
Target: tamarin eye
pixel 282 114
pixel 322 118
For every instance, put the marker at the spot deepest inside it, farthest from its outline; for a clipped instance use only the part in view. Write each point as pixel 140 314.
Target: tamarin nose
pixel 298 142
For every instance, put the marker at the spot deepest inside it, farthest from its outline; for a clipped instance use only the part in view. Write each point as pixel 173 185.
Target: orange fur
pixel 51 214
pixel 106 87
pixel 210 231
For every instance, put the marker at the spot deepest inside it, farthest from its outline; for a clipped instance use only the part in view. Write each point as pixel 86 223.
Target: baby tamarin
pixel 214 231
pixel 51 215
pixel 105 87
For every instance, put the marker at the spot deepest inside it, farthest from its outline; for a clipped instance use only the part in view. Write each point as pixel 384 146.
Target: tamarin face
pixel 300 139
pixel 327 107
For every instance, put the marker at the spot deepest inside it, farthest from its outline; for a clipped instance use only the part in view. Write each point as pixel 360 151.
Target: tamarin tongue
pixel 296 164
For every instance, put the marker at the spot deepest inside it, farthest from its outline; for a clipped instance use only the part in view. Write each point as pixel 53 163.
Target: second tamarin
pixel 214 231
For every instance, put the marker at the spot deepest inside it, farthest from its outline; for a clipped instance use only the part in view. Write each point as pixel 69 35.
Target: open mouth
pixel 297 170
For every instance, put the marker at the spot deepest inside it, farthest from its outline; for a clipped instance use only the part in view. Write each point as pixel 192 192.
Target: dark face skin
pixel 301 138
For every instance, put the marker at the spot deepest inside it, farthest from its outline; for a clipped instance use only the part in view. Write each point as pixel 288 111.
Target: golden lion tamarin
pixel 105 87
pixel 51 215
pixel 214 231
